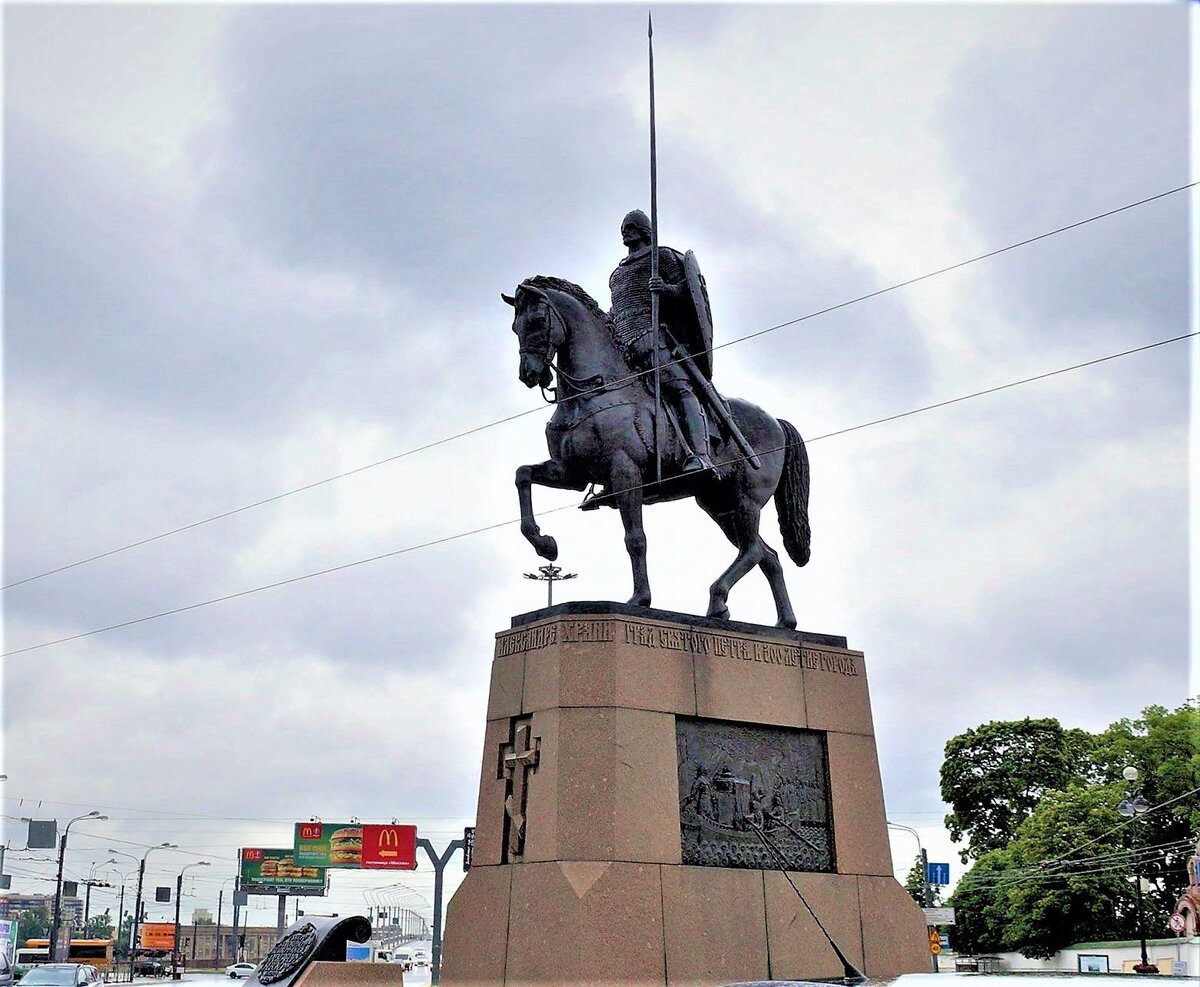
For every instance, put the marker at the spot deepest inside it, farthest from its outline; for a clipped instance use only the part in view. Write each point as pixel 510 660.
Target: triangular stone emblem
pixel 582 874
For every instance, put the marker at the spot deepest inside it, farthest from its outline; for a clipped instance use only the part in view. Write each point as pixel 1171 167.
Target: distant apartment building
pixel 199 943
pixel 201 916
pixel 72 908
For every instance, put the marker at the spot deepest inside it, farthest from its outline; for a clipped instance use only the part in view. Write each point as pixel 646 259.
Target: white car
pixel 239 970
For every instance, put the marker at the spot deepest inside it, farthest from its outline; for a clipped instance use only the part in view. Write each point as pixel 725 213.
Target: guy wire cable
pixel 634 376
pixel 565 507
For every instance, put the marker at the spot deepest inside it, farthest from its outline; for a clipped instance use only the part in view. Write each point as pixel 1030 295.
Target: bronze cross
pixel 520 757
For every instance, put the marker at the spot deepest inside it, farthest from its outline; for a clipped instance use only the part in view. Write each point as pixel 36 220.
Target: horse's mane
pixel 561 284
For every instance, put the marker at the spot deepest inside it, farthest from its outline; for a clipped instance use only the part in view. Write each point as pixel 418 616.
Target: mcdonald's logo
pixel 390 840
pixel 386 847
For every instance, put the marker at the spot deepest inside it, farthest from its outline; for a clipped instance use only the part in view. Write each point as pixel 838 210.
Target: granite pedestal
pixel 653 786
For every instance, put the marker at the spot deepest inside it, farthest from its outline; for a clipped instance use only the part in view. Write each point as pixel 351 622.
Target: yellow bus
pixel 96 952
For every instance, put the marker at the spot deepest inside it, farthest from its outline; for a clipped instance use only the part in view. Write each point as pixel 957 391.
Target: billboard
pixel 357 845
pixel 8 938
pixel 266 871
pixel 157 935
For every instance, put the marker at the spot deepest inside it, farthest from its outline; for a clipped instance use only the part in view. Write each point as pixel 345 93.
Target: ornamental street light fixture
pixel 549 575
pixel 62 852
pixel 1132 807
pixel 137 905
pixel 178 899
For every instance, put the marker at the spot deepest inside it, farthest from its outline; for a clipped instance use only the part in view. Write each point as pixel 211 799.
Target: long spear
pixel 654 259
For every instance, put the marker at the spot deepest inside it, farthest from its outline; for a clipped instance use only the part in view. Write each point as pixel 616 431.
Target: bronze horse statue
pixel 602 433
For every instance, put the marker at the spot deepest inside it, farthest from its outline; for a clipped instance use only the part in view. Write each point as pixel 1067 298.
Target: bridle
pixel 579 384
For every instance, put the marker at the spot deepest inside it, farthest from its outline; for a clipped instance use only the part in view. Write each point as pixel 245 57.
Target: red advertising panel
pixel 389 847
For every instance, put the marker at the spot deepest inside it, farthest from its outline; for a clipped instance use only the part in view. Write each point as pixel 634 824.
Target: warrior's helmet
pixel 637 219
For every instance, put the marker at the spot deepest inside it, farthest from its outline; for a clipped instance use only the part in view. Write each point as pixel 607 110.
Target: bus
pixel 95 952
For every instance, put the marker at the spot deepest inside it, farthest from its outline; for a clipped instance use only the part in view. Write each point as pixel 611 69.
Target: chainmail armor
pixel 631 296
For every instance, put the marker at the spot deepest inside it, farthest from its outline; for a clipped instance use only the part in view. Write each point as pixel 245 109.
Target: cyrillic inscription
pixel 704 643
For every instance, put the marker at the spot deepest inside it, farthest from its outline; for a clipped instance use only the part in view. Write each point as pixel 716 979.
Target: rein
pixel 596 384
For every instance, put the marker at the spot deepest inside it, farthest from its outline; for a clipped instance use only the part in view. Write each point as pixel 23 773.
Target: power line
pixel 521 414
pixel 554 510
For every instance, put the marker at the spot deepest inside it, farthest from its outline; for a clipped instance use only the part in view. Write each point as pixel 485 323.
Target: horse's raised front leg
pixel 547 474
pixel 625 482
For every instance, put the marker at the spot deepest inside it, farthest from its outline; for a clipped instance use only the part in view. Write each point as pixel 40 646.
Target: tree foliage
pixel 1060 863
pixel 99 926
pixel 33 923
pixel 994 775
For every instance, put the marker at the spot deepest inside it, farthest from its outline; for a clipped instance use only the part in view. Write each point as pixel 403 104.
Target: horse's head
pixel 539 333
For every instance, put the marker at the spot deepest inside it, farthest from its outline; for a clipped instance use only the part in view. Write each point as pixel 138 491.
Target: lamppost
pixel 137 904
pixel 1132 807
pixel 178 899
pixel 62 853
pixel 220 906
pixel 121 901
pixel 87 898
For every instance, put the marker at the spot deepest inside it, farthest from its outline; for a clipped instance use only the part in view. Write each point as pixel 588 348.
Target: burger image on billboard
pixel 345 846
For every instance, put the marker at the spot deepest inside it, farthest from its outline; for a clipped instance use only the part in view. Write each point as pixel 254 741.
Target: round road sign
pixel 1177 922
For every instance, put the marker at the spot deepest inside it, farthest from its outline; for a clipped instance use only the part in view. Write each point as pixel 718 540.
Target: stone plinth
pixel 621 741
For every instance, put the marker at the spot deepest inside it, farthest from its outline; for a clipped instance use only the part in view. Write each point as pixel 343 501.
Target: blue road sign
pixel 938 874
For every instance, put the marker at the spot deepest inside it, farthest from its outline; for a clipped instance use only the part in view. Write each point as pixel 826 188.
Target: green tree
pixel 99 926
pixel 980 902
pixel 1164 746
pixel 1071 876
pixel 914 884
pixel 1065 871
pixel 205 920
pixel 33 923
pixel 994 775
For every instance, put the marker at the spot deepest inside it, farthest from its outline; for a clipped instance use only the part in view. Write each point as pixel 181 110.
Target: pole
pixel 439 866
pixel 137 918
pixel 62 852
pixel 1137 885
pixel 237 884
pixel 121 913
pixel 281 918
pixel 654 259
pixel 175 945
pixel 217 944
pixel 925 899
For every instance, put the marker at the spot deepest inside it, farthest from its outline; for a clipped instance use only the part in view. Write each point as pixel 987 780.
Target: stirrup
pixel 592 500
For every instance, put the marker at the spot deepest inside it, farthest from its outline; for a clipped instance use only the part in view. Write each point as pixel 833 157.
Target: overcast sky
pixel 247 248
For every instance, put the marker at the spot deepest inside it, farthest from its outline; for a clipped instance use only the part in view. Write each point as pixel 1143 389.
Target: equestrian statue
pixel 638 420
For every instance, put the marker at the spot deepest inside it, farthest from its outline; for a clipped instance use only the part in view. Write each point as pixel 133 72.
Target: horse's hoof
pixel 547 548
pixel 639 600
pixel 719 613
pixel 787 624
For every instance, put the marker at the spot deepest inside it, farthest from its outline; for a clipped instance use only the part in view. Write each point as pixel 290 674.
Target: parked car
pixel 63 975
pixel 6 970
pixel 239 971
pixel 404 958
pixel 149 966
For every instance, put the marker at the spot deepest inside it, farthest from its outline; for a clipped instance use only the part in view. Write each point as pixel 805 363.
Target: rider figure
pixel 631 285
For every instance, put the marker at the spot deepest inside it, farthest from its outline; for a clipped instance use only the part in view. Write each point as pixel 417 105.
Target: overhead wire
pixel 633 376
pixel 445 539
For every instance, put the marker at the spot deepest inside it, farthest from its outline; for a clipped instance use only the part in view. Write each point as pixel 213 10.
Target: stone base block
pixel 325 974
pixel 621 742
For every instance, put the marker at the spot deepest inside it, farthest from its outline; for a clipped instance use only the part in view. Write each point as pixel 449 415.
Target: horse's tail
pixel 791 497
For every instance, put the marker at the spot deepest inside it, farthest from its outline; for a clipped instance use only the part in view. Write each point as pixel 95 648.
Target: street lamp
pixel 137 904
pixel 87 898
pixel 121 903
pixel 1132 807
pixel 178 899
pixel 220 906
pixel 62 853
